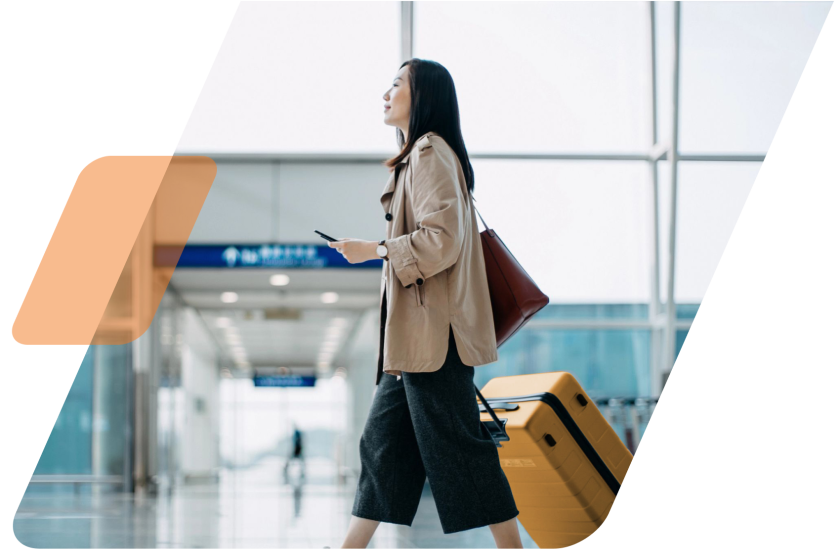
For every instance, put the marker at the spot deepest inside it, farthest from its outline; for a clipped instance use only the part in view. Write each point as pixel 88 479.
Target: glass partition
pixel 91 439
pixel 68 450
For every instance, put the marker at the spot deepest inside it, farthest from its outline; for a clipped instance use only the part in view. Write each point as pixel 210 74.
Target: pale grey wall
pixel 200 382
pixel 257 202
pixel 361 376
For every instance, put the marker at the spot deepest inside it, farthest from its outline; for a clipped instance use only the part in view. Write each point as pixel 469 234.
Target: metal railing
pixel 628 416
pixel 78 479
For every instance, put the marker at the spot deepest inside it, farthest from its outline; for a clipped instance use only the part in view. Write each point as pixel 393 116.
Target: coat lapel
pixel 421 142
pixel 392 184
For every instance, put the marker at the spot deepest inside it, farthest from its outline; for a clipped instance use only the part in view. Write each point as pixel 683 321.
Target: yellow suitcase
pixel 563 460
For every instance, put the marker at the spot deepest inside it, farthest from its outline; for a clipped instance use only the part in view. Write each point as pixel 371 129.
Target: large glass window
pixel 299 77
pixel 710 197
pixel 709 201
pixel 607 363
pixel 581 229
pixel 739 65
pixel 606 313
pixel 575 78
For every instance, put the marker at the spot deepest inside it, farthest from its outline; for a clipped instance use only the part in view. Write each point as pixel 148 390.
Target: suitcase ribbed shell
pixel 561 495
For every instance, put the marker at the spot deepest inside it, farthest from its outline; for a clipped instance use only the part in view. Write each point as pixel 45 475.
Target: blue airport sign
pixel 267 255
pixel 284 381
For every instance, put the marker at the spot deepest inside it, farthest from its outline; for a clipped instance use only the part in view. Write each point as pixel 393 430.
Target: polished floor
pixel 254 508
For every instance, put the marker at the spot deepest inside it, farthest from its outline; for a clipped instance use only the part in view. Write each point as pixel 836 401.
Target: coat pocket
pixel 420 295
pixel 432 229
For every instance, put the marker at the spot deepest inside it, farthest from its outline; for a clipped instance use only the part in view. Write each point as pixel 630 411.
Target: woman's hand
pixel 355 250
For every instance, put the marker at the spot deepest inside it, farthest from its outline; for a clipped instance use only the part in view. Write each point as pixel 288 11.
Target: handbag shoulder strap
pixel 479 213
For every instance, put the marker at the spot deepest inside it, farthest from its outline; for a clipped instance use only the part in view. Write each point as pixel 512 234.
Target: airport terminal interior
pixel 614 146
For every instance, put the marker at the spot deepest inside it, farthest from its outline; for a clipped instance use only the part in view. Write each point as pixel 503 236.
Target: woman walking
pixel 436 324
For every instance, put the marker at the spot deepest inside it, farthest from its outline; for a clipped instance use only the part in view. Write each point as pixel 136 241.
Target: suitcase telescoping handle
pixel 498 422
pixel 500 406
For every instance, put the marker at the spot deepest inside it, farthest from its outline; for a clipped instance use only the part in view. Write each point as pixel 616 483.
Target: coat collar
pixel 391 184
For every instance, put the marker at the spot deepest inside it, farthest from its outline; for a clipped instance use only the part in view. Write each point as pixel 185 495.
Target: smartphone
pixel 325 236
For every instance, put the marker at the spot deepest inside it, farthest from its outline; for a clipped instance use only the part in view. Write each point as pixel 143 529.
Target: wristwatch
pixel 382 250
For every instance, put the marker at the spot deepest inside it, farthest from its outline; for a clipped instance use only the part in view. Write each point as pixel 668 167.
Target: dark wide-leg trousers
pixel 427 424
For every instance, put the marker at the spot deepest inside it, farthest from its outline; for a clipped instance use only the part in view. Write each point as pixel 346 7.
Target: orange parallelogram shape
pixel 98 282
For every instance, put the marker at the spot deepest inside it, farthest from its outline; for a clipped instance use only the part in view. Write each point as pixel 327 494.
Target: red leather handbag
pixel 514 295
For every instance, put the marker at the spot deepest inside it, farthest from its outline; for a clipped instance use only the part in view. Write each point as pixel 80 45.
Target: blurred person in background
pixel 297 453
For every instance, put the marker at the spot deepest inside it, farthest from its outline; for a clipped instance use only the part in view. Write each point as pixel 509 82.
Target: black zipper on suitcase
pixel 577 434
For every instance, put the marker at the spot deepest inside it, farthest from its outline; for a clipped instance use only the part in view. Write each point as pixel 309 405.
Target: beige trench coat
pixel 435 275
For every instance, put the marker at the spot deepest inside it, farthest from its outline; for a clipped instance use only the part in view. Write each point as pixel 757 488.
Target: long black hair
pixel 434 108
